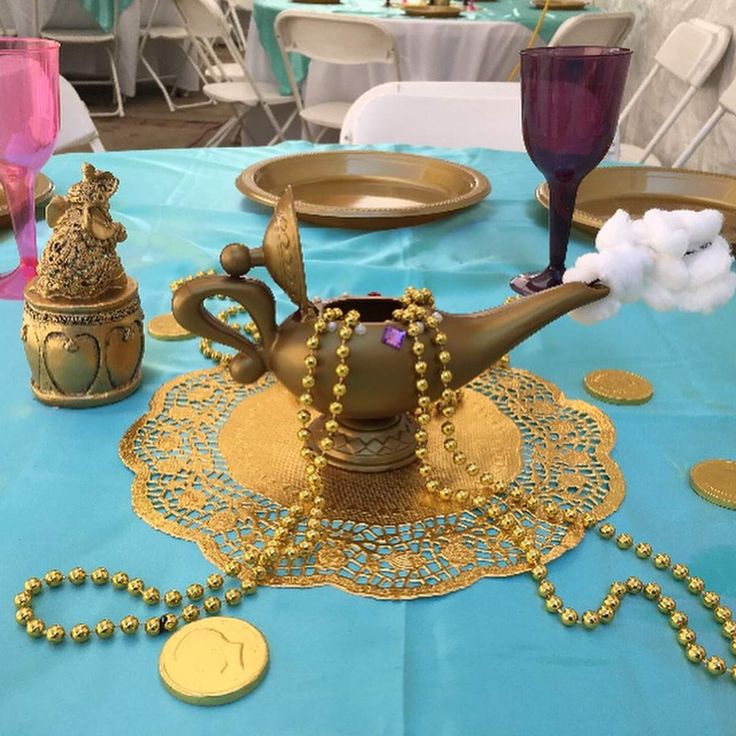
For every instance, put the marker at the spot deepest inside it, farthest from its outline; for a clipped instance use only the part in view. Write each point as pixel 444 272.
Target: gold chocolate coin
pixel 618 387
pixel 165 327
pixel 213 661
pixel 715 481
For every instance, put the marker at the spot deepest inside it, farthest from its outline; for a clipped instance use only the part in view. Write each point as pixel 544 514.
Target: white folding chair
pixel 77 128
pixel 594 29
pixel 726 104
pixel 88 37
pixel 452 114
pixel 690 52
pixel 231 71
pixel 333 39
pixel 177 34
pixel 208 25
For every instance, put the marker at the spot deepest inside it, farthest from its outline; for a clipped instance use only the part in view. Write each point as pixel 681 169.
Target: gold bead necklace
pixel 507 508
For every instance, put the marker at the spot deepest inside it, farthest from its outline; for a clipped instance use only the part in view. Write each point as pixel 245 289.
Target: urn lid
pixel 282 251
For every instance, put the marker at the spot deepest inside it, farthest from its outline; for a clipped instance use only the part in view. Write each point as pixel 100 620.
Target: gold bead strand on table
pixel 129 625
pixel 666 605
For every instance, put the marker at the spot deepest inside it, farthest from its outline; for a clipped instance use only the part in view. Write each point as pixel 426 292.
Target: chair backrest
pixel 204 19
pixel 207 25
pixel 452 114
pixel 594 29
pixel 690 52
pixel 336 39
pixel 77 128
pixel 726 104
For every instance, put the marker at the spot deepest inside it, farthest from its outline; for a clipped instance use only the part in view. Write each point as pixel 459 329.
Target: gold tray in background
pixel 372 190
pixel 44 191
pixel 561 4
pixel 637 189
pixel 433 11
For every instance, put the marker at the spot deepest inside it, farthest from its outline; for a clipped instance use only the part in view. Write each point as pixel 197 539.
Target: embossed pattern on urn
pixel 83 355
pixel 82 320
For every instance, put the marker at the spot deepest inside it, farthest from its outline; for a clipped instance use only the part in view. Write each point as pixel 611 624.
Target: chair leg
pixel 119 110
pixel 223 131
pixel 281 133
pixel 159 82
pixel 306 132
pixel 173 106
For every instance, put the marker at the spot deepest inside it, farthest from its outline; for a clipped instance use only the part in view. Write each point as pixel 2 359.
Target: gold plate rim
pixel 591 223
pixel 44 190
pixel 367 217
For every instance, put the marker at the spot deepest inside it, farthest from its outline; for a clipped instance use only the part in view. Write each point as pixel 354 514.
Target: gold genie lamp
pixel 376 432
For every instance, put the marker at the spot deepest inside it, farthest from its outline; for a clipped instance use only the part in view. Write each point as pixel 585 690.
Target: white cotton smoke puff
pixel 668 259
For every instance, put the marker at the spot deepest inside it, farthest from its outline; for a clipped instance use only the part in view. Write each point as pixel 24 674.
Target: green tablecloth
pixel 104 10
pixel 485 660
pixel 265 12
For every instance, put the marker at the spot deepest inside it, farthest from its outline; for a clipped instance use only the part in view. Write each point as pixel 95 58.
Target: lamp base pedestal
pixel 369 445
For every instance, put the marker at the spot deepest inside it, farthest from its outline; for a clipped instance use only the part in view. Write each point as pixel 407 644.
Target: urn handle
pixel 251 362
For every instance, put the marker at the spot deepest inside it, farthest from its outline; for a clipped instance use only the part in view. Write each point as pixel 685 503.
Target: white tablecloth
pixel 88 62
pixel 437 50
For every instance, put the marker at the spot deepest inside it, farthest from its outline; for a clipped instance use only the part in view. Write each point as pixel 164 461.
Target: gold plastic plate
pixel 44 189
pixel 370 190
pixel 637 189
pixel 433 11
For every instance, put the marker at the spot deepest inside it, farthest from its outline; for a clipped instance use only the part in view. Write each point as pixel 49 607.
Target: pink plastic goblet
pixel 29 124
pixel 570 100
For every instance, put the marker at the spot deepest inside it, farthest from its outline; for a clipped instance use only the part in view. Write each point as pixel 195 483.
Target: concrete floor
pixel 148 123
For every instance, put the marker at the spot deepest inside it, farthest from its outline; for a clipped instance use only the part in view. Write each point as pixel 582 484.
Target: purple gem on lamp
pixel 393 337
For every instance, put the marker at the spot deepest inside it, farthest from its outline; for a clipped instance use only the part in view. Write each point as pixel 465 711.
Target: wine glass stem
pixel 561 205
pixel 18 183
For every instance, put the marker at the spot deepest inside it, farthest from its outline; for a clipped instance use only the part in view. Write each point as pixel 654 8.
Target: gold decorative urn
pixel 82 319
pixel 376 429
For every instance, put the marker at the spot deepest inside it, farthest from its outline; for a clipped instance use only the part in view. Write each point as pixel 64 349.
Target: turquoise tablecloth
pixel 265 12
pixel 104 11
pixel 486 660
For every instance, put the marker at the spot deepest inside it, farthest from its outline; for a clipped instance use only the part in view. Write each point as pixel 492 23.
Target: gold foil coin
pixel 618 387
pixel 213 661
pixel 715 481
pixel 165 327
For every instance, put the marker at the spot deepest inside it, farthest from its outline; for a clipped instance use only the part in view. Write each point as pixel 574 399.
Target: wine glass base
pixel 532 283
pixel 13 283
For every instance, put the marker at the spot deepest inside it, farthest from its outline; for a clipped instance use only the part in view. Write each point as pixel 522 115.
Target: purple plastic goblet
pixel 29 124
pixel 570 101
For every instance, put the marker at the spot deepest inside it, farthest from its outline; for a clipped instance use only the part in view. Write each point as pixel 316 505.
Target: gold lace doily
pixel 216 463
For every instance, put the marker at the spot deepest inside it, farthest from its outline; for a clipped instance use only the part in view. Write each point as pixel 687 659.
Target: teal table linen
pixel 103 11
pixel 481 661
pixel 265 12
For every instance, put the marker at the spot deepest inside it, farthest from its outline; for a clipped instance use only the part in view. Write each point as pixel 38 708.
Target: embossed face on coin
pixel 618 387
pixel 213 661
